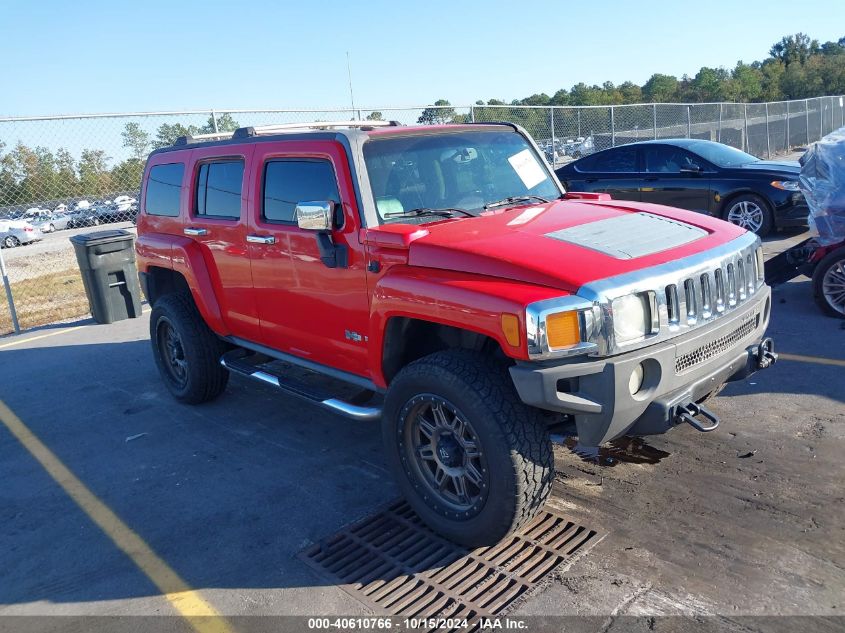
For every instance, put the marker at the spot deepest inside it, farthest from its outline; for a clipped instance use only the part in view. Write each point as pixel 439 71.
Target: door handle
pixel 260 239
pixel 194 232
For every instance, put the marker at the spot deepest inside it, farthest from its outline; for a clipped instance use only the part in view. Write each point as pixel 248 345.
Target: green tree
pixel 225 123
pixel 374 116
pixel 66 178
pixel 94 176
pixel 707 84
pixel 794 48
pixel 442 112
pixel 661 89
pixel 136 139
pixel 631 92
pixel 167 134
pixel 127 175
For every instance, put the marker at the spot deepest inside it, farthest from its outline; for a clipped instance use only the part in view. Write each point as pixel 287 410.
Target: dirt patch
pixel 44 299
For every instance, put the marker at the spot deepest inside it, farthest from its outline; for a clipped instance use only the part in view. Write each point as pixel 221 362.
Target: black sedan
pixel 704 176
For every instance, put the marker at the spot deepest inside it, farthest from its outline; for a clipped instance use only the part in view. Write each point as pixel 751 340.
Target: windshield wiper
pixel 445 212
pixel 513 200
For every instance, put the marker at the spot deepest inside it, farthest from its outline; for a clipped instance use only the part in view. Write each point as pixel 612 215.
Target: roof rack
pixel 279 128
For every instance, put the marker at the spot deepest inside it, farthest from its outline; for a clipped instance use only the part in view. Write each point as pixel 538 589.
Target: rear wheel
pixel 187 353
pixel 473 461
pixel 750 212
pixel 829 283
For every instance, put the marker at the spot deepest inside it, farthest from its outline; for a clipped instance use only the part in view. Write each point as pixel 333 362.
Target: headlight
pixel 786 185
pixel 634 317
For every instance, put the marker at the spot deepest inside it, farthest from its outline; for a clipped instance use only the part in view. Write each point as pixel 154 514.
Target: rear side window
pixel 164 184
pixel 219 187
pixel 289 182
pixel 622 159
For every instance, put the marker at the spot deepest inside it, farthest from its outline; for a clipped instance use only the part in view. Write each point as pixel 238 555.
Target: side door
pixel 614 171
pixel 675 177
pixel 305 307
pixel 217 221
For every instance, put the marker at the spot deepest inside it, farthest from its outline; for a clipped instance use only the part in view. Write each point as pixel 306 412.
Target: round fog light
pixel 635 382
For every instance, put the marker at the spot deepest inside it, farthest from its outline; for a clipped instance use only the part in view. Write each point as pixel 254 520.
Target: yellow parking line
pixel 40 336
pixel 189 603
pixel 818 360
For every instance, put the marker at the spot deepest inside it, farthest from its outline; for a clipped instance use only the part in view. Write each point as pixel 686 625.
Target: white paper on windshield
pixel 527 168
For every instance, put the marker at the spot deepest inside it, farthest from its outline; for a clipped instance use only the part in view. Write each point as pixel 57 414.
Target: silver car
pixel 16 232
pixel 51 222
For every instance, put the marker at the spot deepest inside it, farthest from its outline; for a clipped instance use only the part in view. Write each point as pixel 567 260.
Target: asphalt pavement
pixel 116 500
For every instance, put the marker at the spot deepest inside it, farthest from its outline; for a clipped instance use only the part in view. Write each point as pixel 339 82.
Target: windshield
pixel 454 170
pixel 723 155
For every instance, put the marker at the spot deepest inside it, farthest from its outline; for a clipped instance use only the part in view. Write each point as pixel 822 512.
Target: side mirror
pixel 318 216
pixel 315 215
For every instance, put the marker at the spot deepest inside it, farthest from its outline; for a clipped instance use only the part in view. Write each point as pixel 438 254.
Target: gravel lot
pixel 742 529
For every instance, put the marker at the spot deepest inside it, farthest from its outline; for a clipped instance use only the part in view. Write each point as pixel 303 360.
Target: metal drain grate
pixel 396 566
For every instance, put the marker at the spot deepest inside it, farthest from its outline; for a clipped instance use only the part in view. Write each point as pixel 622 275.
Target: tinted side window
pixel 164 184
pixel 665 159
pixel 621 159
pixel 219 187
pixel 288 182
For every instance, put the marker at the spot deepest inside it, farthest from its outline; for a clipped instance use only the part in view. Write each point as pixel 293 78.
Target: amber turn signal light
pixel 563 330
pixel 510 327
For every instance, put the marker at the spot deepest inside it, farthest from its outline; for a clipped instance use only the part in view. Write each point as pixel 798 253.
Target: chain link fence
pixel 63 175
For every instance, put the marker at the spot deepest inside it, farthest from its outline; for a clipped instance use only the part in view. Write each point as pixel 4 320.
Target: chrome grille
pixel 688 302
pixel 714 348
pixel 687 293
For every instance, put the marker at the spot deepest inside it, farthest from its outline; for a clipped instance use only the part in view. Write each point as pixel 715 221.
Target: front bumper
pixel 679 371
pixel 790 209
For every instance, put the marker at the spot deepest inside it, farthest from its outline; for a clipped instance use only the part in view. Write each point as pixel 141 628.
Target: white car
pixel 124 203
pixel 17 232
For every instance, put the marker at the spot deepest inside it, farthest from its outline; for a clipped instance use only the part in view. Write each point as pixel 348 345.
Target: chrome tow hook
pixel 688 412
pixel 766 355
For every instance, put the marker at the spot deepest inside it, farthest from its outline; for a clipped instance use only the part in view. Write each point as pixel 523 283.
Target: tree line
pixel 38 175
pixel 797 67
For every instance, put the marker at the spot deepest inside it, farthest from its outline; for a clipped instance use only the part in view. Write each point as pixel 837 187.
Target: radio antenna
pixel 349 74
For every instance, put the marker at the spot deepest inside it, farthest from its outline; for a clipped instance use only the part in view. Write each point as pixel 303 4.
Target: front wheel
pixel 473 461
pixel 750 212
pixel 829 283
pixel 187 353
pixel 11 241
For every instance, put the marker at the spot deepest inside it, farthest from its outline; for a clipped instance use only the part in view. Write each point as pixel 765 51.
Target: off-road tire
pixel 513 436
pixel 830 260
pixel 205 378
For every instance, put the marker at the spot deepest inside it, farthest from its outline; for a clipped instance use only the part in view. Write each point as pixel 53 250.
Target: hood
pixel 780 167
pixel 566 244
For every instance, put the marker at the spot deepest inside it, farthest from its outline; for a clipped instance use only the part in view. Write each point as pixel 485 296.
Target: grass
pixel 45 299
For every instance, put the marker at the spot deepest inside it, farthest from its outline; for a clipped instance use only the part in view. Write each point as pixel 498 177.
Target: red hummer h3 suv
pixel 443 272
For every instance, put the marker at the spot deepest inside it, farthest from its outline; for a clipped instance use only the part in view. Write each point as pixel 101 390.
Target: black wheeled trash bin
pixel 107 263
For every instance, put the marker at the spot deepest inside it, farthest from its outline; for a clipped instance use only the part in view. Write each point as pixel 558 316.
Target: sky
pixel 96 56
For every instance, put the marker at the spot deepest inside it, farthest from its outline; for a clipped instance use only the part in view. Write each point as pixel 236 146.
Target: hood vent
pixel 631 235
